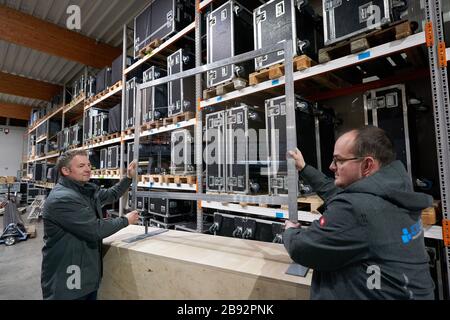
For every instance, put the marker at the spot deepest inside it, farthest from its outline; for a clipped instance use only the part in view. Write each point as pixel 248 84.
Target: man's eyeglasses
pixel 341 161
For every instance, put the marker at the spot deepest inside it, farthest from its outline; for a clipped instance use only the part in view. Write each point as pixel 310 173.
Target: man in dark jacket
pixel 369 243
pixel 74 228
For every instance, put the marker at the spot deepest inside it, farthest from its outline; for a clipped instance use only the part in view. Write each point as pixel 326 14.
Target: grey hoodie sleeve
pixel 74 217
pixel 323 185
pixel 336 240
pixel 111 195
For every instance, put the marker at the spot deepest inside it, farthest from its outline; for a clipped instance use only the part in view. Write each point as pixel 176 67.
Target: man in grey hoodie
pixel 369 242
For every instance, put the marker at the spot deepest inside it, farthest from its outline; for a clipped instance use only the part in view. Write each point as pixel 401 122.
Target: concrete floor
pixel 20 266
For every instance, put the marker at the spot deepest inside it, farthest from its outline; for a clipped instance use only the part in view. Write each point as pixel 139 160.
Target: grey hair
pixel 66 157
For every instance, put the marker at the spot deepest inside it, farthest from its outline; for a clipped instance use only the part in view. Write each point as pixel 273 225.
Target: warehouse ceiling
pixel 38 45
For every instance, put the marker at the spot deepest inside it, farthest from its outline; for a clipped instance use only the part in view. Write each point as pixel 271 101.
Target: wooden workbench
pixel 183 265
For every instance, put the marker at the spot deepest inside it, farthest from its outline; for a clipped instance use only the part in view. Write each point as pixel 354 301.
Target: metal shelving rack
pixel 441 99
pixel 432 37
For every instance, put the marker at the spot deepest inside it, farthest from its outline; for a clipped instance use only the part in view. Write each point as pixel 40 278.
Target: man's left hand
pixel 289 224
pixel 131 171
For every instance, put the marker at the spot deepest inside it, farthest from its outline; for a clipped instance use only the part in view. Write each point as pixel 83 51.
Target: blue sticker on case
pixel 219 98
pixel 279 214
pixel 364 55
pixel 275 82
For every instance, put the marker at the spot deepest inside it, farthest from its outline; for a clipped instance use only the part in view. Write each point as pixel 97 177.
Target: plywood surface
pixel 182 265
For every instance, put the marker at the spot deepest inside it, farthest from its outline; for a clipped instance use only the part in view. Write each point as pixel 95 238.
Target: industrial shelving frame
pixel 438 55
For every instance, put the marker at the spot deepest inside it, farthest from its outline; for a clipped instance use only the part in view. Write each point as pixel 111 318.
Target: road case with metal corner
pixel 66 138
pixel 51 173
pixel 159 160
pixel 276 21
pixel 89 122
pixel 244 170
pixel 170 207
pixel 42 130
pixel 113 157
pixel 101 123
pixel 436 253
pixel 115 119
pixel 311 123
pixel 38 171
pixel 94 159
pixel 145 151
pixel 215 151
pixel 347 19
pixel 238 226
pixel 117 68
pixel 228 29
pixel 103 80
pixel 91 87
pixel 130 102
pixel 53 127
pixel 387 108
pixel 76 135
pixel 160 20
pixel 182 152
pixel 181 92
pixel 154 99
pixel 60 140
pixel 78 87
pixel 104 158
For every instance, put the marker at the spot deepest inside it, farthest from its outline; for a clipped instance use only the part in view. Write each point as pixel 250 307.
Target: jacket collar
pixel 84 188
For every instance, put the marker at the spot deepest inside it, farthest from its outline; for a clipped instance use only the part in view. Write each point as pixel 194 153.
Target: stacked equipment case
pixel 232 137
pixel 182 152
pixel 228 29
pixel 154 99
pixel 276 21
pixel 160 20
pixel 387 108
pixel 315 139
pixel 181 92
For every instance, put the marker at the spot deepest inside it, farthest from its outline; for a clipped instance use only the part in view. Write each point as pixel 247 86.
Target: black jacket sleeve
pixel 336 240
pixel 76 218
pixel 111 195
pixel 323 185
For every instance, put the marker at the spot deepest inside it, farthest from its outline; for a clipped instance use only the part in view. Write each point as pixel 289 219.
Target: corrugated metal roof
pixel 7 98
pixel 100 19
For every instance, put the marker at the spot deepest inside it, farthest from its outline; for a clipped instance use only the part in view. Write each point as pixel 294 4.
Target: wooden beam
pixel 15 111
pixel 29 88
pixel 31 32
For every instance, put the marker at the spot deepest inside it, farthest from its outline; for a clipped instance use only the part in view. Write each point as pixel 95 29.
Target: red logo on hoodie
pixel 322 221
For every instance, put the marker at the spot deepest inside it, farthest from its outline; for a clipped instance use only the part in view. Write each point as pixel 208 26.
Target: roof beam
pixel 31 32
pixel 15 111
pixel 28 88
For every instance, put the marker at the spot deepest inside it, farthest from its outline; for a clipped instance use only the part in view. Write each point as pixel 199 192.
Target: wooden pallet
pixel 152 125
pixel 129 131
pixel 110 136
pixel 112 172
pixel 179 179
pixel 150 47
pixel 221 89
pixel 276 71
pixel 99 172
pixel 104 92
pixel 395 31
pixel 178 118
pixel 72 147
pixel 152 178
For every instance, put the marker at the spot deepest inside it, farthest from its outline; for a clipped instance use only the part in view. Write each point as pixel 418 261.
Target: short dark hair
pixel 373 141
pixel 66 157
